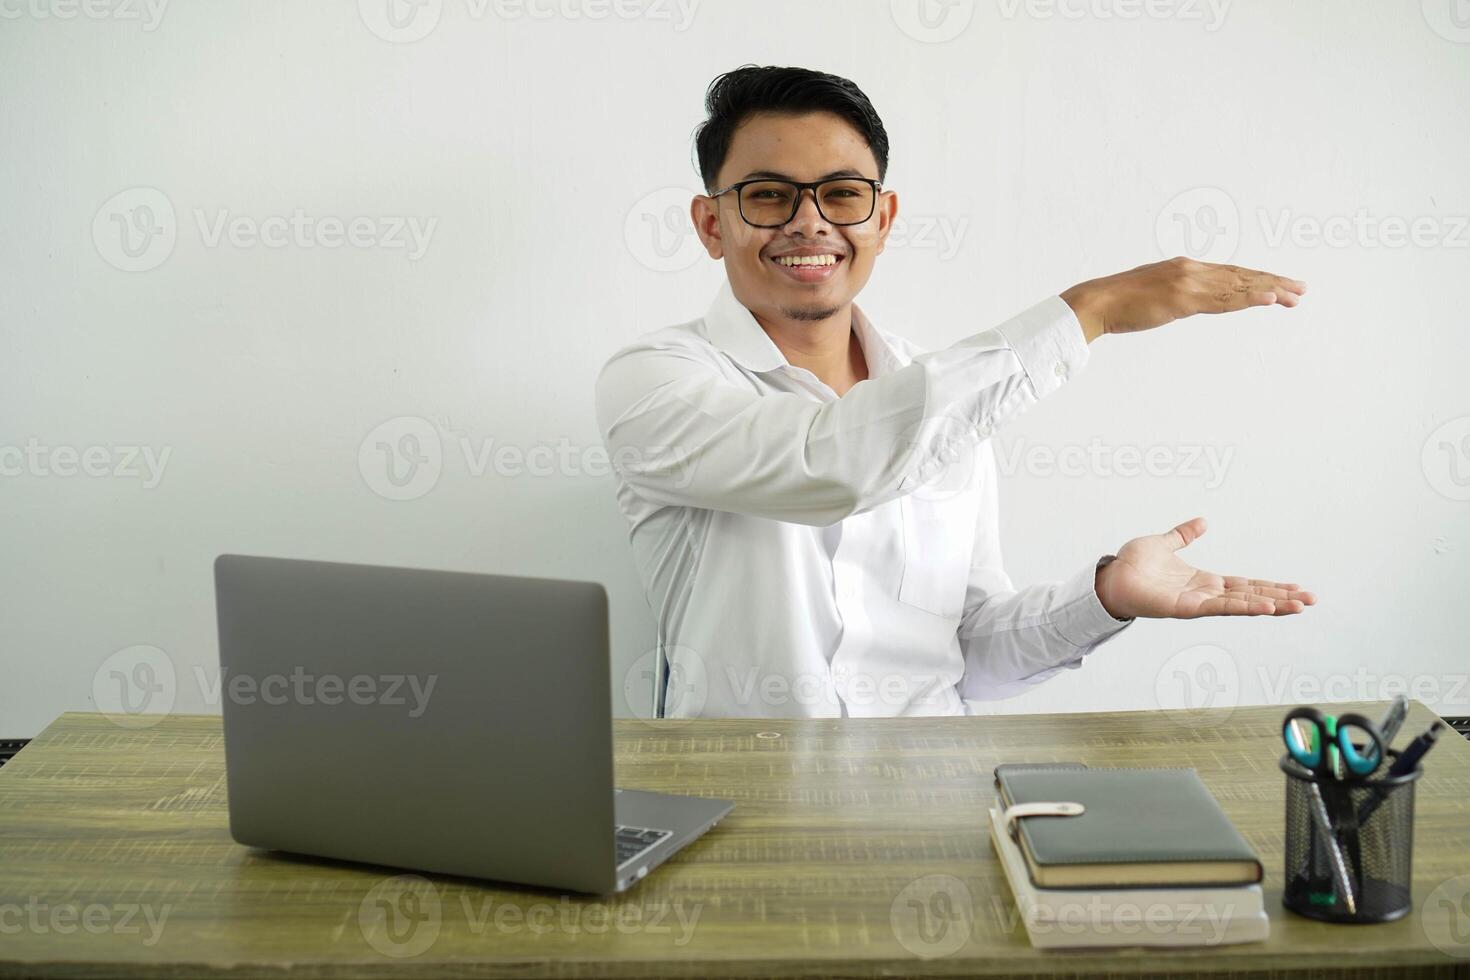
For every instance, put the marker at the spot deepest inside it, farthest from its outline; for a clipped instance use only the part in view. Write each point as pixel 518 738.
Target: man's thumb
pixel 1184 533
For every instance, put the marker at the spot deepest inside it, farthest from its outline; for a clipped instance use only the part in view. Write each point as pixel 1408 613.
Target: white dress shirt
pixel 807 555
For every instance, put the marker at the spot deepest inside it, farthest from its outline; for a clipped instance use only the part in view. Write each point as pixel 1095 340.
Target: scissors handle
pixel 1329 739
pixel 1305 732
pixel 1354 728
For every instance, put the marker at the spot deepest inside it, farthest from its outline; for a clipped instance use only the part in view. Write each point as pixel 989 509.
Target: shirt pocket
pixel 938 542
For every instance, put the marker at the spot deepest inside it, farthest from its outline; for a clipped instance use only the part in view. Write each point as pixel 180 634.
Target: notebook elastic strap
pixel 1018 810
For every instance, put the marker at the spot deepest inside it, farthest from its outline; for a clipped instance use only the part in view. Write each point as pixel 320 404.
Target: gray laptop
pixel 436 721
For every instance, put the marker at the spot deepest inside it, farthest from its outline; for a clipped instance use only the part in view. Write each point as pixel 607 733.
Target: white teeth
pixel 807 260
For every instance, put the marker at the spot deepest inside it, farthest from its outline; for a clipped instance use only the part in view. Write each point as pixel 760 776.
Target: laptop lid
pixel 433 720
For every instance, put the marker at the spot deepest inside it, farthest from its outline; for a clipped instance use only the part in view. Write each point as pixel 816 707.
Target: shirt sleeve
pixel 680 432
pixel 1013 639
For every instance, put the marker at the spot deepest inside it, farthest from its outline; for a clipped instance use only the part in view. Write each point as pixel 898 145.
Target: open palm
pixel 1150 580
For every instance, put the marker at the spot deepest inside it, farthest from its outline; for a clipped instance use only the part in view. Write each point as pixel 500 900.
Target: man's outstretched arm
pixel 680 433
pixel 680 430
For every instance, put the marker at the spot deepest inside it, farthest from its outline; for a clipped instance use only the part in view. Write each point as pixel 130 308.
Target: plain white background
pixel 276 248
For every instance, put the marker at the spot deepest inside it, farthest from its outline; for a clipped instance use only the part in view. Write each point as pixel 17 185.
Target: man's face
pixel 807 147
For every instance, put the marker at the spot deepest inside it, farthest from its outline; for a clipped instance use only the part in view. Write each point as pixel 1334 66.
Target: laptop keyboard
pixel 633 841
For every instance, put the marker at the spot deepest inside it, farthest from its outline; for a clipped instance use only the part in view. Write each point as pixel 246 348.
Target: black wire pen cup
pixel 1366 876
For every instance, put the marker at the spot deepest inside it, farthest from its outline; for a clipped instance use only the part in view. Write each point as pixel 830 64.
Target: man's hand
pixel 1153 295
pixel 1149 580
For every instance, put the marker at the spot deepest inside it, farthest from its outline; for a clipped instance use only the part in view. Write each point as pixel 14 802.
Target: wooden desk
pixel 838 825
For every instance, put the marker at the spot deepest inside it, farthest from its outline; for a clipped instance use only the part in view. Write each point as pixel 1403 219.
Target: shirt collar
pixel 733 329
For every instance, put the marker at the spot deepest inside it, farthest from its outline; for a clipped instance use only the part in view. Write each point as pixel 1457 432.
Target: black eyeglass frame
pixel 801 186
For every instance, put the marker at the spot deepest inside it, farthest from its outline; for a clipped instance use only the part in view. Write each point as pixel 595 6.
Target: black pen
pixel 1407 762
pixel 1408 759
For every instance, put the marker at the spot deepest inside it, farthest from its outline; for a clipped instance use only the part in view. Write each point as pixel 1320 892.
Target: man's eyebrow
pixel 777 175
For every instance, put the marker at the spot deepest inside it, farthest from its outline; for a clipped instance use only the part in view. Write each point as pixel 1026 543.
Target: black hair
pixel 750 89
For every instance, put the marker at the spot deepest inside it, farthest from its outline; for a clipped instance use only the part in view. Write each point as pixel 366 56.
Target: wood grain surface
pixel 857 849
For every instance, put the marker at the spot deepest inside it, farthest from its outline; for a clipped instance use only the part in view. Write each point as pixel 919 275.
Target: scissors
pixel 1330 745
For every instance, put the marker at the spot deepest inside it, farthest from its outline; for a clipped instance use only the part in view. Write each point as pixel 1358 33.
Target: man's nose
pixel 807 218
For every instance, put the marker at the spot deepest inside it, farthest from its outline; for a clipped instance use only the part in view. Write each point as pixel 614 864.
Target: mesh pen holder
pixel 1373 821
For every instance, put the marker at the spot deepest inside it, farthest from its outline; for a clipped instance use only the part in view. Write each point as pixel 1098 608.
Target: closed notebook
pixel 1172 916
pixel 1139 827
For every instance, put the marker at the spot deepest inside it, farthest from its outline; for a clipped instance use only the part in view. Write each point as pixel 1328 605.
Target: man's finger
pixel 1271 281
pixel 1242 603
pixel 1182 534
pixel 1269 589
pixel 1269 593
pixel 1219 300
pixel 1237 604
pixel 1240 294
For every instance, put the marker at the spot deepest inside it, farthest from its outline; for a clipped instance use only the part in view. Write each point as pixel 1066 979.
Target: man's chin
pixel 814 313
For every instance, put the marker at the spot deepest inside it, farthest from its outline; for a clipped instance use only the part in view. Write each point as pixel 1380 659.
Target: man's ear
pixel 887 211
pixel 705 217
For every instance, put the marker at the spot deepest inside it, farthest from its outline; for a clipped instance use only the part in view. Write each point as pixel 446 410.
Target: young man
pixel 812 500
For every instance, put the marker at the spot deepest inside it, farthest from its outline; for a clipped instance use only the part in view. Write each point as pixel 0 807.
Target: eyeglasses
pixel 772 203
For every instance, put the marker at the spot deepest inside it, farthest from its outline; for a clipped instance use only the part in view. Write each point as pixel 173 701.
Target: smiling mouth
pixel 813 268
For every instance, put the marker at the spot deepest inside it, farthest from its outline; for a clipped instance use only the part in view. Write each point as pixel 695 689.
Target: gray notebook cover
pixel 1132 816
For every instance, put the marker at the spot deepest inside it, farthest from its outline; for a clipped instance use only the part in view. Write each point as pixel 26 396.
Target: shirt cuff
pixel 1048 342
pixel 1080 616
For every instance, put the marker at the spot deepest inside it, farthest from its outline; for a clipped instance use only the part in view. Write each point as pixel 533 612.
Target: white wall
pixel 1050 142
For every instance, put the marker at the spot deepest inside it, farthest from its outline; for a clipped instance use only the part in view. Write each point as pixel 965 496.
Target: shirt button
pixel 1061 370
pixel 985 428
